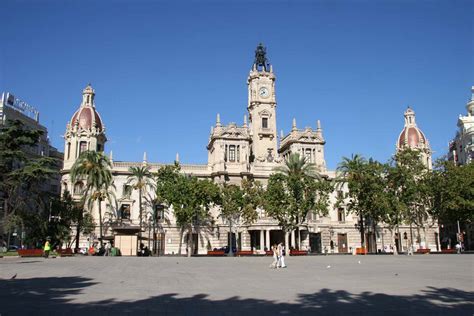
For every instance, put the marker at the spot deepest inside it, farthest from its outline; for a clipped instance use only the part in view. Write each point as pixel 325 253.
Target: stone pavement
pixel 317 285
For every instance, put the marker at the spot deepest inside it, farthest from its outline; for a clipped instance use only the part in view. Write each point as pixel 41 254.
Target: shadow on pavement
pixel 52 296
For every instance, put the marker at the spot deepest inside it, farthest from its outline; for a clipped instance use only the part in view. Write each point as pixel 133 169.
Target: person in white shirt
pixel 281 256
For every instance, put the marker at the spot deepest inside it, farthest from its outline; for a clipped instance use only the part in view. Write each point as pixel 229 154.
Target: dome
pixel 86 117
pixel 411 136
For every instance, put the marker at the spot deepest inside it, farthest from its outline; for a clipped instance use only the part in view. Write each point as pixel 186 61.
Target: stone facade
pixel 461 148
pixel 235 152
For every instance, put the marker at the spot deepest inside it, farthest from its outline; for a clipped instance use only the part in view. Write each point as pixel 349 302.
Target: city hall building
pixel 251 150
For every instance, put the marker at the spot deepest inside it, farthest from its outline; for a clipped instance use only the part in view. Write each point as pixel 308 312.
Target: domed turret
pixel 412 137
pixel 85 131
pixel 86 117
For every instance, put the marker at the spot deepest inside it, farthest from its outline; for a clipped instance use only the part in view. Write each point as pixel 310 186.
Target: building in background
pixel 235 152
pixel 12 108
pixel 461 148
pixel 461 152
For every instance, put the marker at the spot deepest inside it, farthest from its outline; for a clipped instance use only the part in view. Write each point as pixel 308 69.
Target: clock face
pixel 263 92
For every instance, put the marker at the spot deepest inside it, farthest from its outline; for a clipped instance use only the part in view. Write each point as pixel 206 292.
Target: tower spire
pixel 88 95
pixel 293 126
pixel 409 117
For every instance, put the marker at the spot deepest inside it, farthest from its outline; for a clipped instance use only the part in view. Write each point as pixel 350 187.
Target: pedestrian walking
pixel 274 264
pixel 107 249
pixel 281 256
pixel 458 247
pixel 47 247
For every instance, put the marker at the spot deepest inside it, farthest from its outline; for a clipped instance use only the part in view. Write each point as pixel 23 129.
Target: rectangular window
pixel 82 147
pixel 308 155
pixel 68 150
pixel 341 217
pixel 238 153
pixel 125 211
pixel 232 153
pixel 159 212
pixel 264 122
pixel 78 188
pixel 99 147
pixel 127 190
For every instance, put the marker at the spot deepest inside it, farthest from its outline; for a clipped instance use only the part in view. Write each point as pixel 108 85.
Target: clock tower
pixel 262 108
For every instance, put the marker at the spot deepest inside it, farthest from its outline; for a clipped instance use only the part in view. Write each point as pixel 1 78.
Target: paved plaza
pixel 317 285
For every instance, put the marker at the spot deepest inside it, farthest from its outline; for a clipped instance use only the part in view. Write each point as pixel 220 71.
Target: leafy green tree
pixel 190 198
pixel 295 190
pixel 23 174
pixel 95 169
pixel 407 189
pixel 452 189
pixel 239 206
pixel 140 179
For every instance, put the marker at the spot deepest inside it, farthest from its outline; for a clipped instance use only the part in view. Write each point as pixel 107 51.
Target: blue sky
pixel 162 70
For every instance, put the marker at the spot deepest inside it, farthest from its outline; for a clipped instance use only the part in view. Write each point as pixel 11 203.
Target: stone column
pixel 261 240
pixel 293 239
pixel 287 242
pixel 267 240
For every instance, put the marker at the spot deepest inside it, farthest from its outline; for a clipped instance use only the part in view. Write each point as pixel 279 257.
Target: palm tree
pixel 140 179
pixel 297 166
pixel 297 170
pixel 98 195
pixel 351 172
pixel 95 168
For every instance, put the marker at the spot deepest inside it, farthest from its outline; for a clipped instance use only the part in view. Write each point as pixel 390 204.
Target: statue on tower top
pixel 260 57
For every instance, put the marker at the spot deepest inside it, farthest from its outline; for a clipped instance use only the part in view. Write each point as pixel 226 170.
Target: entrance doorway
pixel 232 241
pixel 276 237
pixel 254 239
pixel 342 243
pixel 371 242
pixel 159 248
pixel 315 242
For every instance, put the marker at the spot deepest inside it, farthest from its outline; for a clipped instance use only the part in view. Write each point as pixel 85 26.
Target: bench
pixel 423 251
pixel 65 252
pixel 448 250
pixel 216 253
pixel 295 252
pixel 244 253
pixel 361 251
pixel 30 252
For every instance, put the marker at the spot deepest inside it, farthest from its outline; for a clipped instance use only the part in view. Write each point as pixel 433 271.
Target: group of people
pixel 278 256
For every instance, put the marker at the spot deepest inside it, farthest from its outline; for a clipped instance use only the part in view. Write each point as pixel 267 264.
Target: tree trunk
pixel 374 229
pixel 362 231
pixel 424 236
pixel 395 252
pixel 78 229
pixel 100 224
pixel 140 214
pixel 231 252
pixel 180 240
pixel 189 244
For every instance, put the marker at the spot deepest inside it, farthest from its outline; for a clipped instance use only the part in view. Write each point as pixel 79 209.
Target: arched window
pixel 78 187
